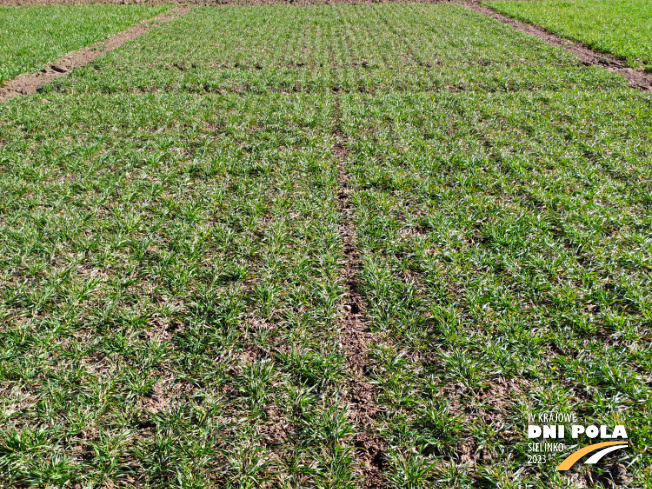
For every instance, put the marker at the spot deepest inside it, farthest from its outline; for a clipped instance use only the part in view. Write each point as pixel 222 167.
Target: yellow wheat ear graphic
pixel 575 456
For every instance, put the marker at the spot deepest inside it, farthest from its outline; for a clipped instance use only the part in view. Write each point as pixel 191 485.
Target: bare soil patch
pixel 588 56
pixel 17 3
pixel 209 2
pixel 313 2
pixel 29 83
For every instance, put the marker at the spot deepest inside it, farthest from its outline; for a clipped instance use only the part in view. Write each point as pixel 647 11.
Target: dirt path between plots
pixel 355 336
pixel 211 3
pixel 588 56
pixel 29 83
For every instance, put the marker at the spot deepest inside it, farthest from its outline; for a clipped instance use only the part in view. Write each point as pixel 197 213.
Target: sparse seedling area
pixel 619 27
pixel 328 246
pixel 31 37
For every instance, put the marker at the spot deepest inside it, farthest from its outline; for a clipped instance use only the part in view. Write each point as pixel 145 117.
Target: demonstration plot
pixel 171 277
pixel 619 27
pixel 31 37
pixel 506 254
pixel 352 48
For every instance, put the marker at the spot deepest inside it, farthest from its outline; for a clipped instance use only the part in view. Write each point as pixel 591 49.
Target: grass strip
pixel 31 37
pixel 620 27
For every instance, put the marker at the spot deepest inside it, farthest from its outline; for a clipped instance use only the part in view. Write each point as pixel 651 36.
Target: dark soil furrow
pixel 588 56
pixel 30 83
pixel 355 336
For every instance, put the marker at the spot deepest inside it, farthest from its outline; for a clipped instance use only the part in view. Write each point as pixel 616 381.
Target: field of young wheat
pixel 335 246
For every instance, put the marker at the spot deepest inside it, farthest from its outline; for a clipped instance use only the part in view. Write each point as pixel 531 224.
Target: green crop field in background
pixel 620 27
pixel 31 37
pixel 358 48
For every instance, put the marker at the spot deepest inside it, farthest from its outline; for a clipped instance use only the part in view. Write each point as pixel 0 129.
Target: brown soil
pixel 208 2
pixel 312 2
pixel 356 337
pixel 14 3
pixel 29 83
pixel 588 56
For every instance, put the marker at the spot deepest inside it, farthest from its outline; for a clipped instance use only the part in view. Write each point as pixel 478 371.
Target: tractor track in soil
pixel 355 336
pixel 589 56
pixel 30 83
